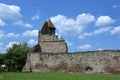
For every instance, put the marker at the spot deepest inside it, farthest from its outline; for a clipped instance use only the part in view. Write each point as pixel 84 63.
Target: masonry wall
pixel 88 62
pixel 48 37
pixel 52 44
pixel 53 47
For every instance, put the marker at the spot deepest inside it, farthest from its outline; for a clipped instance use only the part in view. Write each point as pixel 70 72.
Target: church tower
pixel 48 41
pixel 48 28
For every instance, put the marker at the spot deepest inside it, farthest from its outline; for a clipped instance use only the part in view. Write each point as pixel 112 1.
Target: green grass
pixel 56 76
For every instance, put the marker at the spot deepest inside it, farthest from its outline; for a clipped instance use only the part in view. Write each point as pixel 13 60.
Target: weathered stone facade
pixel 49 42
pixel 88 62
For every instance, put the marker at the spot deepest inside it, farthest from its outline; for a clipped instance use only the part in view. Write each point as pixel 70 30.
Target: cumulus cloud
pixel 32 42
pixel 2 49
pixel 96 32
pixel 36 17
pixel 69 43
pixel 1 34
pixel 102 30
pixel 83 35
pixel 100 49
pixel 2 23
pixel 31 33
pixel 8 35
pixel 12 35
pixel 21 23
pixel 85 46
pixel 71 26
pixel 59 35
pixel 116 30
pixel 104 21
pixel 11 12
pixel 10 44
pixel 1 44
pixel 116 6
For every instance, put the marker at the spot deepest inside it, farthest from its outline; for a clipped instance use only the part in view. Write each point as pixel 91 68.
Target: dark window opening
pixel 41 59
pixel 88 68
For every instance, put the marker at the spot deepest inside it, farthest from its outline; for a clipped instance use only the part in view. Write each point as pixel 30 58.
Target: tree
pixel 2 58
pixel 16 57
pixel 2 61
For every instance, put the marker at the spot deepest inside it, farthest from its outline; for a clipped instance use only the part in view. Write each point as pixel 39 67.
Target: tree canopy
pixel 2 58
pixel 16 57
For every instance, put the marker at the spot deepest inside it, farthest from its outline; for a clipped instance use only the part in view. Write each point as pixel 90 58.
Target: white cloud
pixel 12 35
pixel 1 44
pixel 69 43
pixel 84 19
pixel 104 21
pixel 2 49
pixel 32 42
pixel 71 26
pixel 2 23
pixel 116 6
pixel 36 17
pixel 31 33
pixel 96 32
pixel 85 46
pixel 100 49
pixel 116 30
pixel 59 35
pixel 83 35
pixel 1 34
pixel 21 23
pixel 11 12
pixel 102 30
pixel 10 44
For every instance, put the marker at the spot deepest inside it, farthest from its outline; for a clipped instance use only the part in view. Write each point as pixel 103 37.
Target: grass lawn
pixel 56 76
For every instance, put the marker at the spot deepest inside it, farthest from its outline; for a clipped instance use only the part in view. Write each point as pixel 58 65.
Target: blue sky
pixel 84 24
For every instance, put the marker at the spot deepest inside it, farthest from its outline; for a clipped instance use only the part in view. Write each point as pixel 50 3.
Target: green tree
pixel 2 58
pixel 2 61
pixel 16 57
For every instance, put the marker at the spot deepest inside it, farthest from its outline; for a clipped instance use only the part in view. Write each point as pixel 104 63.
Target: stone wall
pixel 52 44
pixel 53 47
pixel 48 37
pixel 88 62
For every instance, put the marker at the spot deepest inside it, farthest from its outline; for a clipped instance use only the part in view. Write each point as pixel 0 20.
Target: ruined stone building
pixel 47 56
pixel 48 41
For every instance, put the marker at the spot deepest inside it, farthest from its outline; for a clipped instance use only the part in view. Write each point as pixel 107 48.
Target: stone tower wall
pixel 53 47
pixel 48 37
pixel 52 44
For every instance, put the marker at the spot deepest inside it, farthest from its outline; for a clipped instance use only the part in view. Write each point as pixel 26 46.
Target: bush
pixel 1 69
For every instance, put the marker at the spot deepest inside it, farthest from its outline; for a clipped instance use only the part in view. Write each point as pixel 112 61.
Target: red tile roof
pixel 50 24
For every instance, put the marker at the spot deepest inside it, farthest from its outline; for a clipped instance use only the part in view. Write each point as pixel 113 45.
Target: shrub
pixel 1 69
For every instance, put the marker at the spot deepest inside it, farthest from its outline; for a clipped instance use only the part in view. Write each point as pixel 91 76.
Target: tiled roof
pixel 50 24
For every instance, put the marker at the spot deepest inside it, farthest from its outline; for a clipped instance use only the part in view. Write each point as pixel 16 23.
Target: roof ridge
pixel 50 24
